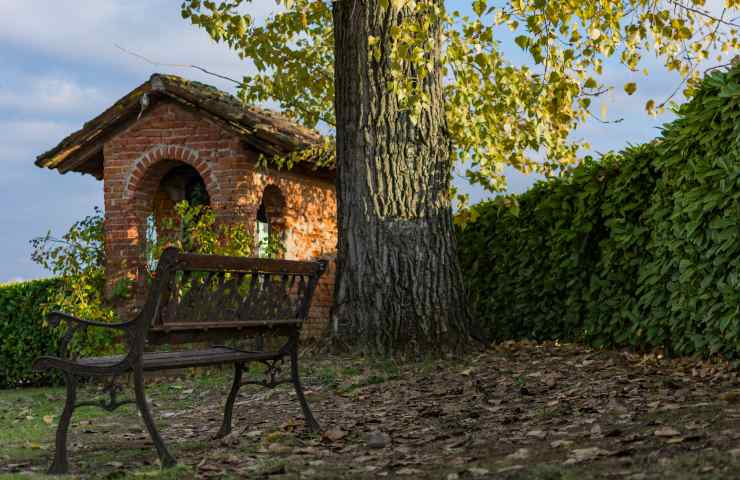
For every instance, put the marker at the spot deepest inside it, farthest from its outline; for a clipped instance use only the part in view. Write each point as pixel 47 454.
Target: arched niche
pixel 270 223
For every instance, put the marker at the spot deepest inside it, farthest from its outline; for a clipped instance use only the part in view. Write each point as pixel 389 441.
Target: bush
pixel 23 336
pixel 639 249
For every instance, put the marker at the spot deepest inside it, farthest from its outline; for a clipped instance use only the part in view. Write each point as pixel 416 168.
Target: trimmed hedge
pixel 23 337
pixel 639 249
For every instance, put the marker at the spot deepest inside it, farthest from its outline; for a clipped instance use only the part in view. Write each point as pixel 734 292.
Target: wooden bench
pixel 196 298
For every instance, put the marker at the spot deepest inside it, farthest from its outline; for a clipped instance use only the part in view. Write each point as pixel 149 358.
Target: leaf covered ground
pixel 516 411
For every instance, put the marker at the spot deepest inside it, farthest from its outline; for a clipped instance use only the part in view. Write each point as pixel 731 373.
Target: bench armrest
pixel 75 325
pixel 54 318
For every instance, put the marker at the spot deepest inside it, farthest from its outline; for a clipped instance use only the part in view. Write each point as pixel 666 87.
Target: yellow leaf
pixel 371 40
pixel 48 419
pixel 630 88
pixel 730 396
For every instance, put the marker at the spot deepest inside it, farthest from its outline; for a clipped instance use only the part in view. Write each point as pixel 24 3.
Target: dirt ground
pixel 516 411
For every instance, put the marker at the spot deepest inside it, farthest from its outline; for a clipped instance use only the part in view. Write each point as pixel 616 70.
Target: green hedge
pixel 639 249
pixel 23 337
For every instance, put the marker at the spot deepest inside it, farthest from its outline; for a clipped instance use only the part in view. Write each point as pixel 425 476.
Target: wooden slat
pixel 215 335
pixel 215 263
pixel 174 326
pixel 190 358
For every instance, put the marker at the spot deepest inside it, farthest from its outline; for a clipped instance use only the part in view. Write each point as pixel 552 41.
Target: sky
pixel 61 67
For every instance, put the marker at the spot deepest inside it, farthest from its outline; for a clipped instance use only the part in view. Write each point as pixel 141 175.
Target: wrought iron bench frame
pixel 149 328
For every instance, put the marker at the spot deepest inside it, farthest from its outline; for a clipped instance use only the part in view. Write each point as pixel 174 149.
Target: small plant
pixel 78 259
pixel 194 229
pixel 272 247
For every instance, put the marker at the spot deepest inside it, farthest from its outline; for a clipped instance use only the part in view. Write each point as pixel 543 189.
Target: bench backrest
pixel 208 297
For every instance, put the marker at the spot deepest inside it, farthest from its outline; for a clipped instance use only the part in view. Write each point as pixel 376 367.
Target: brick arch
pixel 148 169
pixel 274 200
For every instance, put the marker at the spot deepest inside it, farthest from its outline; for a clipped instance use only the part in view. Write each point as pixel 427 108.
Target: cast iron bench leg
pixel 165 459
pixel 60 465
pixel 226 425
pixel 311 422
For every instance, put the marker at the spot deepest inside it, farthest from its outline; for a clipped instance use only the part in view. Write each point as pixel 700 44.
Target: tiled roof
pixel 265 131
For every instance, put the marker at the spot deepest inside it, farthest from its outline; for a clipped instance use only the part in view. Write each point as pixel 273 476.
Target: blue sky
pixel 60 67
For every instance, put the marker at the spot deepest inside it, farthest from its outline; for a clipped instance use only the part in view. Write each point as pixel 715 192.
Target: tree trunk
pixel 398 288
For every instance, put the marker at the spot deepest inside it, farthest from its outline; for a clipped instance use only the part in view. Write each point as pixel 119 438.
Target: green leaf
pixel 522 41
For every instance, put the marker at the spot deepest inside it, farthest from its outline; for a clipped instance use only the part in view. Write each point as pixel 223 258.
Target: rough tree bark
pixel 398 288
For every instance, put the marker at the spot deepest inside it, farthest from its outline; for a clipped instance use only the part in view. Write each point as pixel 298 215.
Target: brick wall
pixel 168 135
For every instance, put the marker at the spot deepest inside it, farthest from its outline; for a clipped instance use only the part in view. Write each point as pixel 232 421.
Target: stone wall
pixel 168 135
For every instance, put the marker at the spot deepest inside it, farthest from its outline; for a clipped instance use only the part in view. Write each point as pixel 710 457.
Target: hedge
pixel 24 334
pixel 23 337
pixel 637 249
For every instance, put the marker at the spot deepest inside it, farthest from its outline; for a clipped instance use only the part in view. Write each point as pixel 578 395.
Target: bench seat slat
pixel 190 358
pixel 174 326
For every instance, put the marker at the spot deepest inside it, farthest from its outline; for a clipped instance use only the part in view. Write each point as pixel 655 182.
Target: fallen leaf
pixel 520 454
pixel 510 469
pixel 561 443
pixel 408 471
pixel 334 434
pixel 48 419
pixel 666 432
pixel 731 396
pixel 478 472
pixel 377 440
pixel 583 454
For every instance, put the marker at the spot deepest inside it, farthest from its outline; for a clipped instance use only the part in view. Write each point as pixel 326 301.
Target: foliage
pixel 78 260
pixel 638 249
pixel 194 229
pixel 498 112
pixel 23 335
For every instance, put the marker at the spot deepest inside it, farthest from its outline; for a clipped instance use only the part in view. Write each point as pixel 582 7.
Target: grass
pixel 29 417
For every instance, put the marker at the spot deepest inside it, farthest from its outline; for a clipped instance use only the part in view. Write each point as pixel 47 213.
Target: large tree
pixel 411 87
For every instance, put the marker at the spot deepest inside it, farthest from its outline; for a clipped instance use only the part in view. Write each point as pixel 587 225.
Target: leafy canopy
pixel 498 112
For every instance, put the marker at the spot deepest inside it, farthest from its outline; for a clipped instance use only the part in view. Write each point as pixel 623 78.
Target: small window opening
pixel 263 232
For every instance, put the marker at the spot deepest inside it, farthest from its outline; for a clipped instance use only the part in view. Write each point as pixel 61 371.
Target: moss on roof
pixel 266 131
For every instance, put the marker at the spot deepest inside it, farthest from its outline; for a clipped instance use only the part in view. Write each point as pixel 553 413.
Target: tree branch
pixel 176 65
pixel 703 13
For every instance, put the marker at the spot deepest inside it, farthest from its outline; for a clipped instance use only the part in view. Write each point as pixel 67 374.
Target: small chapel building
pixel 171 139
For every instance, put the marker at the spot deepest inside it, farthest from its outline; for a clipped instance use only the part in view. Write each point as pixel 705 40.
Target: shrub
pixel 23 336
pixel 638 249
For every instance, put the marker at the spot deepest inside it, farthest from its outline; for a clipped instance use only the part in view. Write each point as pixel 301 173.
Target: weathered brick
pixel 138 158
